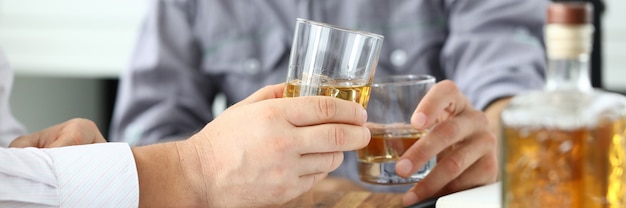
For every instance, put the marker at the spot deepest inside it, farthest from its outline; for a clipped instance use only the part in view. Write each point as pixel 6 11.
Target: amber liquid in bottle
pixel 561 167
pixel 564 146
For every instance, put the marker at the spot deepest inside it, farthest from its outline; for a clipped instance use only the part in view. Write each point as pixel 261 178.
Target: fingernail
pixel 419 120
pixel 409 199
pixel 404 167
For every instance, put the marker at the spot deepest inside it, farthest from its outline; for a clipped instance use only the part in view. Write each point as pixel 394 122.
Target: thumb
pixel 265 93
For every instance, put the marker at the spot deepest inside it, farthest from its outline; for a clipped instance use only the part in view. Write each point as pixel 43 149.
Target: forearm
pixel 162 178
pixel 95 175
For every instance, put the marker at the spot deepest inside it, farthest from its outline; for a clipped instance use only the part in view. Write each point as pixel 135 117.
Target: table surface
pixel 346 200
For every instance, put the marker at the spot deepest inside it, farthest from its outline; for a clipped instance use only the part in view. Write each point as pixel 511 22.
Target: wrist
pixel 194 171
pixel 163 180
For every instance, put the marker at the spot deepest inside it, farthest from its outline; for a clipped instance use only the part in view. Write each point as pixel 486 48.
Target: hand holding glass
pixel 392 102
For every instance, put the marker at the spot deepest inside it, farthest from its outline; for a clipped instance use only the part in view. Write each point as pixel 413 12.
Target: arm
pixel 100 175
pixel 160 168
pixel 287 146
pixel 163 95
pixel 494 48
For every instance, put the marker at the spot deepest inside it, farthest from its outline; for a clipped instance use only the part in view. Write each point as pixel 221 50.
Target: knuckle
pixel 79 131
pixel 421 156
pixel 81 122
pixel 454 165
pixel 75 137
pixel 272 113
pixel 326 108
pixel 74 125
pixel 338 136
pixel 449 86
pixel 480 118
pixel 282 145
pixel 447 131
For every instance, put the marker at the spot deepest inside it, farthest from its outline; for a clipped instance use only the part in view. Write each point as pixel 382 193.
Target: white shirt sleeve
pixel 95 175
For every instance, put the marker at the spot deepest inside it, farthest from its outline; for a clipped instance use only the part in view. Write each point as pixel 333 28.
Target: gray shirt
pixel 189 51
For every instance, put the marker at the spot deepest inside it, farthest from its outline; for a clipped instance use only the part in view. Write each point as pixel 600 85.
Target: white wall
pixel 614 45
pixel 59 49
pixel 77 38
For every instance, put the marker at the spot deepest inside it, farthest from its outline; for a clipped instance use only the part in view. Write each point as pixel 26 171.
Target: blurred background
pixel 67 55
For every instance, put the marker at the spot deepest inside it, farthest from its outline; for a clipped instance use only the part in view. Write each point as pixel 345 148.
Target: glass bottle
pixel 564 146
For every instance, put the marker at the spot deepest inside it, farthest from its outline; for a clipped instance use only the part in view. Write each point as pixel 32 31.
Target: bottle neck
pixel 570 74
pixel 568 48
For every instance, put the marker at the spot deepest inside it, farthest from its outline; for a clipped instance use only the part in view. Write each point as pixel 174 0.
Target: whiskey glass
pixel 393 100
pixel 328 60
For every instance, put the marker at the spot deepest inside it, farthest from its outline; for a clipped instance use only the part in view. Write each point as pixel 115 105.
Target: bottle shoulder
pixel 564 109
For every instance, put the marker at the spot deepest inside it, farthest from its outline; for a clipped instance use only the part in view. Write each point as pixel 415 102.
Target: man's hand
pixel 265 151
pixel 76 131
pixel 461 138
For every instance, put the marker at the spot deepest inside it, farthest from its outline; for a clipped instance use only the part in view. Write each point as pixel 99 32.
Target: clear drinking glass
pixel 332 61
pixel 392 102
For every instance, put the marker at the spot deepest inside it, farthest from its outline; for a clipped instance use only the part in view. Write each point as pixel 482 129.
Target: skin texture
pixel 463 139
pixel 284 148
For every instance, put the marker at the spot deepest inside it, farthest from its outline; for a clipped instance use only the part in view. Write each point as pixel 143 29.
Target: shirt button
pixel 398 58
pixel 252 66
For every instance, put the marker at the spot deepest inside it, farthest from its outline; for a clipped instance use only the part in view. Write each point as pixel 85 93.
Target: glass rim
pixel 405 79
pixel 359 32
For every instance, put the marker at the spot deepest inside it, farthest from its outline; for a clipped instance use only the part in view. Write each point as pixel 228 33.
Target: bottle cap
pixel 576 13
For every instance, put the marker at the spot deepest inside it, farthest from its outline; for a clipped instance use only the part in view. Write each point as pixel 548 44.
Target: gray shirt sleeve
pixel 163 95
pixel 495 47
pixel 10 128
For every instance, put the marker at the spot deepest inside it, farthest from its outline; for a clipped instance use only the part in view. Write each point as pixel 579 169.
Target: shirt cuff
pixel 96 175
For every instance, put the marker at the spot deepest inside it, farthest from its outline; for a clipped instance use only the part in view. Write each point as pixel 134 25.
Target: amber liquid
pixel 387 145
pixel 357 91
pixel 577 168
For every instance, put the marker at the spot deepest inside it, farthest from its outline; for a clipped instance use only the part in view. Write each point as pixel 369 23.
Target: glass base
pixel 385 172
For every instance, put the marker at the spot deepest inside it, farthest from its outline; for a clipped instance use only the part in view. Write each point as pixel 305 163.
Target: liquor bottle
pixel 564 146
